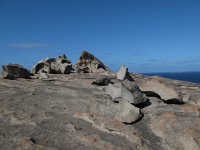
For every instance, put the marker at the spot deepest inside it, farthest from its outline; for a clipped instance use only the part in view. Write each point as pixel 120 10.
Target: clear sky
pixel 144 35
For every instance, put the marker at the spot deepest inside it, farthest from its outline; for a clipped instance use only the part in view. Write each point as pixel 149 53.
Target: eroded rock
pixel 167 93
pixel 13 71
pixel 123 74
pixel 118 90
pixel 89 63
pixel 59 65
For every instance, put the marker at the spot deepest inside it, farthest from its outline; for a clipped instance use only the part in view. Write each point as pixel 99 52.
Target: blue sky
pixel 144 35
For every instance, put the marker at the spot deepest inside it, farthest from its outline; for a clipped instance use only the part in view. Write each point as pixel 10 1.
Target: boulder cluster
pixel 124 91
pixel 87 63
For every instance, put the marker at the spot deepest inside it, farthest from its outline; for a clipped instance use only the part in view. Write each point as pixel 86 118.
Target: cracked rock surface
pixel 66 111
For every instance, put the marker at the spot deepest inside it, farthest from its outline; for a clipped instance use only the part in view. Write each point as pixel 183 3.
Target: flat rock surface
pixel 68 112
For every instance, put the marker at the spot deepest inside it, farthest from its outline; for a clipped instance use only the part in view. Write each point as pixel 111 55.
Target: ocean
pixel 185 76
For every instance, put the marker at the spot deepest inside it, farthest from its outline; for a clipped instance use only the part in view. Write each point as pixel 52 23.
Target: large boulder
pixel 88 63
pixel 138 96
pixel 128 113
pixel 123 74
pixel 59 65
pixel 13 71
pixel 119 90
pixel 166 92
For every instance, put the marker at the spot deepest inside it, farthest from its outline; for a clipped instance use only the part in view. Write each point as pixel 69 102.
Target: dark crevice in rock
pixel 151 94
pixel 140 118
pixel 173 101
pixel 33 140
pixel 143 105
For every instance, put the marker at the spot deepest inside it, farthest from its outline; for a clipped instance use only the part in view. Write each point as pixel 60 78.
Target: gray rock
pixel 59 65
pixel 128 113
pixel 123 74
pixel 15 71
pixel 114 90
pixel 118 90
pixel 166 92
pixel 132 93
pixel 102 80
pixel 88 63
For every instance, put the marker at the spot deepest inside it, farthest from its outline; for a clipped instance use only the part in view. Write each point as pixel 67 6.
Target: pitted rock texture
pixel 88 63
pixel 58 65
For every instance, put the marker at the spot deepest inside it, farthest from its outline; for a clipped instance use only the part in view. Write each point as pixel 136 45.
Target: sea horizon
pixel 191 76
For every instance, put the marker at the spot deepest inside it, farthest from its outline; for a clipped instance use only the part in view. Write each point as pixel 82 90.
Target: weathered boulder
pixel 123 74
pixel 138 96
pixel 128 113
pixel 13 71
pixel 88 63
pixel 118 90
pixel 59 65
pixel 166 92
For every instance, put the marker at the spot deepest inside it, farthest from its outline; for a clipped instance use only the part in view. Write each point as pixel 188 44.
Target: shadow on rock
pixel 174 101
pixel 143 105
pixel 151 94
pixel 139 119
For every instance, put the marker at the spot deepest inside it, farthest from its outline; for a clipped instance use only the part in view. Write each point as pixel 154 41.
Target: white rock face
pixel 88 63
pixel 44 76
pixel 123 74
pixel 128 113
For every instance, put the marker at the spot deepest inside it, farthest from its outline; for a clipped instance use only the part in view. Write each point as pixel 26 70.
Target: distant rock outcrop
pixel 13 71
pixel 88 63
pixel 59 65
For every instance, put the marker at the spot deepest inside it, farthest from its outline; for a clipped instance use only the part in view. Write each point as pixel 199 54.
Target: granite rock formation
pixel 88 63
pixel 58 65
pixel 13 71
